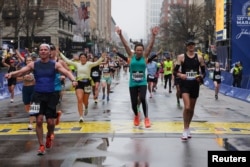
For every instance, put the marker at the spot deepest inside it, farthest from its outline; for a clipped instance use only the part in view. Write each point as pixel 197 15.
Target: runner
pixel 168 67
pixel 106 79
pixel 138 81
pixel 28 89
pixel 216 77
pixel 96 77
pixel 151 75
pixel 83 89
pixel 190 63
pixel 45 98
pixel 59 81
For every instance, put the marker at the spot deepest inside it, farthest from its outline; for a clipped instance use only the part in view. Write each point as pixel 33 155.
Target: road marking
pixel 127 127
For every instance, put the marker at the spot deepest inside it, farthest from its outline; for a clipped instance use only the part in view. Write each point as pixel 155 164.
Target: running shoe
pixel 86 112
pixel 170 91
pixel 30 127
pixel 81 119
pixel 147 123
pixel 41 150
pixel 96 101
pixel 189 134
pixel 103 97
pixel 137 120
pixel 58 113
pixel 150 95
pixel 216 97
pixel 48 142
pixel 107 98
pixel 184 135
pixel 178 103
pixel 11 100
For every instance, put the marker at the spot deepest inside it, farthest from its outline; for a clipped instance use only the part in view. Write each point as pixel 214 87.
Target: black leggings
pixel 168 79
pixel 141 90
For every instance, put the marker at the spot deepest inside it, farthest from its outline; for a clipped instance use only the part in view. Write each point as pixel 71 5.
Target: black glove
pixel 200 79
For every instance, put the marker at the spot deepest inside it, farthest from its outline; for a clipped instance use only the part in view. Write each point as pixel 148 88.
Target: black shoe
pixel 165 87
pixel 216 97
pixel 170 91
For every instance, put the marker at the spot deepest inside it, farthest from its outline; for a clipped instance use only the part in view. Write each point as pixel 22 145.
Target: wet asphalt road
pixel 158 146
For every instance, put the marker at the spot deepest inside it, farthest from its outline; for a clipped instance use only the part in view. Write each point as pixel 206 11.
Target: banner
pixel 241 33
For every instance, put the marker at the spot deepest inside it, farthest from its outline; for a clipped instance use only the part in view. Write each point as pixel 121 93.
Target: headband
pixel 44 44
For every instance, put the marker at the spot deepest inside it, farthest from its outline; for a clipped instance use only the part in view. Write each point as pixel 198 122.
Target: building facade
pixel 61 22
pixel 153 10
pixel 29 23
pixel 96 28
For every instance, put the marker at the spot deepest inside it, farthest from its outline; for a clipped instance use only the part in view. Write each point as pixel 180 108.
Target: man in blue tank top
pixel 44 99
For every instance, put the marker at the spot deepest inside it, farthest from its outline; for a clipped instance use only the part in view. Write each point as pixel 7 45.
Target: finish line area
pixel 126 126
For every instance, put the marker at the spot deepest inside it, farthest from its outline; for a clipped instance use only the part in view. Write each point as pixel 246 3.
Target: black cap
pixel 190 42
pixel 52 47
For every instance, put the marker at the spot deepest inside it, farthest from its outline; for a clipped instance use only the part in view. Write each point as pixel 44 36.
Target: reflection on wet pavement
pixel 236 144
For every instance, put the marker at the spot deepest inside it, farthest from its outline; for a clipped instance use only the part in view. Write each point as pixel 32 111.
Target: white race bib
pixel 34 109
pixel 95 74
pixel 137 76
pixel 191 75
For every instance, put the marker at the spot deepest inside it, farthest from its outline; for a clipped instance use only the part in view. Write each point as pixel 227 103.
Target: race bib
pixel 95 74
pixel 151 76
pixel 217 76
pixel 191 75
pixel 105 70
pixel 137 76
pixel 168 68
pixel 34 109
pixel 87 89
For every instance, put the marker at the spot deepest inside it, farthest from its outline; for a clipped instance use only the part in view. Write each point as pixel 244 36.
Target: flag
pixel 83 12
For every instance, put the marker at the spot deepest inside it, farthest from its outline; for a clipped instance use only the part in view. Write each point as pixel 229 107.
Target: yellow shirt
pixel 168 67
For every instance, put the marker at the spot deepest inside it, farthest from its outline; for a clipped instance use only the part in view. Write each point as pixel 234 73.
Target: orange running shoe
pixel 41 150
pixel 59 113
pixel 147 123
pixel 137 120
pixel 48 142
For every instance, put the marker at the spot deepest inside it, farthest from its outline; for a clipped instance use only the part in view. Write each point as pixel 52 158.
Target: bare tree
pixel 28 18
pixel 186 21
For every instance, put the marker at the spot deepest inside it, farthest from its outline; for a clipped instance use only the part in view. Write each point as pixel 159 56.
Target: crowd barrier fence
pixel 227 89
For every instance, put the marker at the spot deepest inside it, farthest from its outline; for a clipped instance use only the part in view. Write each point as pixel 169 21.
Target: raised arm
pixel 124 42
pixel 120 55
pixel 64 71
pixel 99 61
pixel 66 59
pixel 154 32
pixel 20 56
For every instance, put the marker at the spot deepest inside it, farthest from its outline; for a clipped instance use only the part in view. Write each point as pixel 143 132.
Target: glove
pixel 199 79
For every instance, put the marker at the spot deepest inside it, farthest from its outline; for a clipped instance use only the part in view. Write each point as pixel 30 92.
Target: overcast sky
pixel 129 15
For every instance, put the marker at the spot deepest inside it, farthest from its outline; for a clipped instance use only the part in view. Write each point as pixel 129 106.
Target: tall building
pixel 97 25
pixel 153 11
